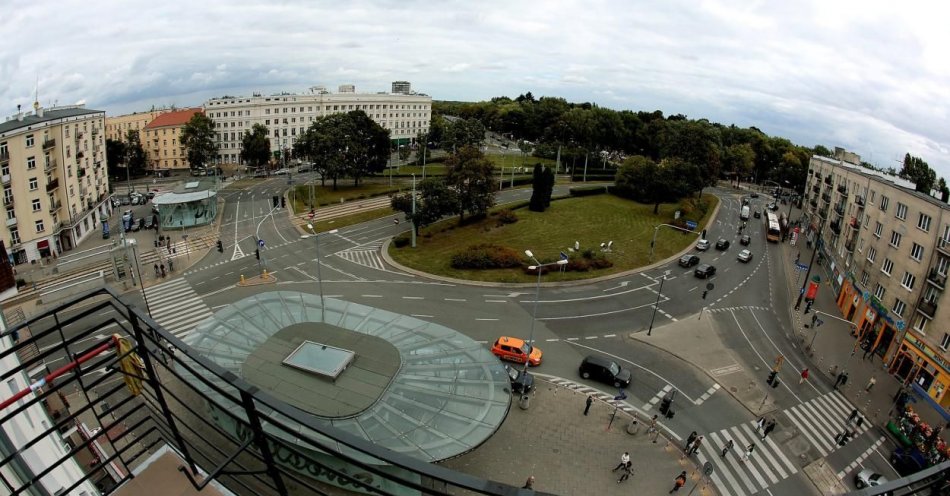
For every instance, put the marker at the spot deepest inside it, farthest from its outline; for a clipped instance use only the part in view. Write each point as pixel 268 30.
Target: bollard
pixel 265 274
pixel 633 427
pixel 524 402
pixel 242 278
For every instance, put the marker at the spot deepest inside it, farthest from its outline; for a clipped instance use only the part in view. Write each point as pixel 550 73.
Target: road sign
pixel 563 256
pixel 691 225
pixel 707 468
pixel 800 266
pixel 260 243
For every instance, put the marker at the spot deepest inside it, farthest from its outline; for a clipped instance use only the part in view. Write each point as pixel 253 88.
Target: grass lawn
pixel 349 220
pixel 590 220
pixel 323 196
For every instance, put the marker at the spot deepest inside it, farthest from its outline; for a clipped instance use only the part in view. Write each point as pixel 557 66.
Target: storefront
pixel 916 363
pixel 874 326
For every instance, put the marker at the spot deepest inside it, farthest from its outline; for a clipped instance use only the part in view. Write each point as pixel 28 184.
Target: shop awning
pixel 919 391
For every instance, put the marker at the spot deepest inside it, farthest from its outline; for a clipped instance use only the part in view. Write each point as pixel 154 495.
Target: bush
pixel 486 256
pixel 401 241
pixel 588 190
pixel 506 216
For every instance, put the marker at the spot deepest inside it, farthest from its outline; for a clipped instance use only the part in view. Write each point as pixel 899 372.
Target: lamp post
pixel 537 295
pixel 316 238
pixel 655 305
pixel 413 234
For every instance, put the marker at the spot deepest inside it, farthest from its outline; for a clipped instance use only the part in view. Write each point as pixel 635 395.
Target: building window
pixel 908 281
pixel 39 226
pixel 945 342
pixel 878 228
pixel 34 184
pixel 879 291
pixel 923 222
pixel 14 236
pixel 864 278
pixel 895 239
pixel 899 307
pixel 920 324
pixel 884 202
pixel 871 254
pixel 29 141
pixel 901 211
pixel 30 163
pixel 887 266
pixel 36 205
pixel 917 252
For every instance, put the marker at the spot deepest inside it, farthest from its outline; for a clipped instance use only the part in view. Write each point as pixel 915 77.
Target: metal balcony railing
pixel 927 307
pixel 944 246
pixel 173 395
pixel 937 279
pixel 4 156
pixel 835 227
pixel 50 165
pixel 52 185
pixel 50 143
pixel 826 198
pixel 843 189
pixel 859 201
pixel 55 206
pixel 828 179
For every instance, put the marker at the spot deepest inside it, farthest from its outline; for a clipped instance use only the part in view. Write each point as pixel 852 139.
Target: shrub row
pixel 588 190
pixel 486 256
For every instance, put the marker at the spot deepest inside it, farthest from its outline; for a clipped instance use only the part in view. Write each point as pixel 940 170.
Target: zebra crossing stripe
pixel 736 452
pixel 739 448
pixel 755 460
pixel 767 456
pixel 823 447
pixel 721 488
pixel 822 429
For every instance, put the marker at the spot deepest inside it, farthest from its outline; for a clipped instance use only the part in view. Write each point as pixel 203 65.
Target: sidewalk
pixel 572 454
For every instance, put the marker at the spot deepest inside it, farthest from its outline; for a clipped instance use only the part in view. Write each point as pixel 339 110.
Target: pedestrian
pixel 868 350
pixel 652 428
pixel 590 401
pixel 625 472
pixel 759 424
pixel 696 444
pixel 529 484
pixel 162 266
pixel 748 452
pixel 768 428
pixel 624 460
pixel 854 415
pixel 841 380
pixel 679 482
pixel 798 257
pixel 727 448
pixel 871 384
pixel 839 437
pixel 804 375
pixel 690 439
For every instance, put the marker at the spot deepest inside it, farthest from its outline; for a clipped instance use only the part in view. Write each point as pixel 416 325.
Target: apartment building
pixel 118 127
pixel 55 184
pixel 287 116
pixel 161 139
pixel 886 248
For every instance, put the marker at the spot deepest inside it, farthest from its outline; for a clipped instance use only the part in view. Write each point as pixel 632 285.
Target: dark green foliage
pixel 588 190
pixel 547 184
pixel 401 241
pixel 198 138
pixel 536 204
pixel 134 153
pixel 486 256
pixel 255 146
pixel 506 216
pixel 434 200
pixel 470 175
pixel 918 172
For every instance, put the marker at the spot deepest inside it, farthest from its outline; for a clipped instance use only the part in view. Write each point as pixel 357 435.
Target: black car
pixel 705 271
pixel 756 214
pixel 745 240
pixel 754 195
pixel 604 370
pixel 722 244
pixel 688 260
pixel 521 381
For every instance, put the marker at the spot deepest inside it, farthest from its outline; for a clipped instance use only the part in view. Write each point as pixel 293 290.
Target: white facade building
pixel 287 116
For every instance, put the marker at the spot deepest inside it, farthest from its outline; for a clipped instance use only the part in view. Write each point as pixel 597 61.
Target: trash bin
pixel 633 427
pixel 524 402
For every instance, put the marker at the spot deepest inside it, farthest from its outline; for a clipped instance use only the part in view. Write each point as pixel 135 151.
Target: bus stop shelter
pixel 187 208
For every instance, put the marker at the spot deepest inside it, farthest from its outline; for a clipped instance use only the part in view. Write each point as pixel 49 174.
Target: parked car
pixel 869 478
pixel 745 256
pixel 722 244
pixel 688 260
pixel 304 168
pixel 757 214
pixel 282 172
pixel 772 206
pixel 702 245
pixel 754 195
pixel 513 349
pixel 150 195
pixel 149 222
pixel 604 370
pixel 125 200
pixel 521 381
pixel 745 240
pixel 705 271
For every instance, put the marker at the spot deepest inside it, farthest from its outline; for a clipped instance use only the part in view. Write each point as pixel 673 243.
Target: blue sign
pixel 690 224
pixel 800 266
pixel 563 256
pixel 260 243
pixel 622 396
pixel 900 325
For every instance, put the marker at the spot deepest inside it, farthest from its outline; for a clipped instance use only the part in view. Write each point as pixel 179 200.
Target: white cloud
pixel 870 75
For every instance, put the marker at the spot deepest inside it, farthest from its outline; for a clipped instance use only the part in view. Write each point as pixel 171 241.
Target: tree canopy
pixel 434 200
pixel 135 157
pixel 919 172
pixel 198 138
pixel 470 175
pixel 255 146
pixel 345 145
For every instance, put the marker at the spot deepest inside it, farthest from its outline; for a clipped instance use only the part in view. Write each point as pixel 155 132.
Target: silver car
pixel 869 478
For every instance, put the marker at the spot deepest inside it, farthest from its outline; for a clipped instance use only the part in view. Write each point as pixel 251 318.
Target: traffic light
pixel 814 318
pixel 257 253
pixel 275 200
pixel 773 378
pixel 704 294
pixel 283 202
pixel 704 234
pixel 808 307
pixel 220 247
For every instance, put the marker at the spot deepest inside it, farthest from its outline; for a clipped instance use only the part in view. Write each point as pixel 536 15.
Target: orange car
pixel 512 349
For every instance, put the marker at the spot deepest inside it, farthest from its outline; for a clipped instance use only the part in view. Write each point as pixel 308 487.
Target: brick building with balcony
pixel 886 249
pixel 161 140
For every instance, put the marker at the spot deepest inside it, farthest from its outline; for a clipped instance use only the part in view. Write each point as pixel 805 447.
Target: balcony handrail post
pixel 260 439
pixel 151 375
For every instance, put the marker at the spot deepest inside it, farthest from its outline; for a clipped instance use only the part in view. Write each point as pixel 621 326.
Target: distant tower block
pixel 347 88
pixel 402 88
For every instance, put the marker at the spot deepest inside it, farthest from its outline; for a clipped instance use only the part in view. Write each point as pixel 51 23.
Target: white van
pixel 744 214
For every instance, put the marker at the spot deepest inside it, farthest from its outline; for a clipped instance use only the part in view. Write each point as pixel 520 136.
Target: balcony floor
pixel 163 473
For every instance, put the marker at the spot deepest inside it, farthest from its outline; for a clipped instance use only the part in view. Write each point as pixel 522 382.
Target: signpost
pixel 691 225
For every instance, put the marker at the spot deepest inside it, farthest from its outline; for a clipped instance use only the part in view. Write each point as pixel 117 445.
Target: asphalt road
pixel 571 321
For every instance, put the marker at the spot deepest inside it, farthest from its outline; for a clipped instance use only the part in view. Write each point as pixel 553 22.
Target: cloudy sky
pixel 870 76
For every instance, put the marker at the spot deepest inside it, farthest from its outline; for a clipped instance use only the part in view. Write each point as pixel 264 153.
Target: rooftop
pixel 51 114
pixel 173 118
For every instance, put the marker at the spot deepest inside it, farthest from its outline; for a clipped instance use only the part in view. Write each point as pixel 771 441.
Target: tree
pixel 918 172
pixel 536 203
pixel 943 189
pixel 115 156
pixel 470 174
pixel 434 201
pixel 461 133
pixel 547 180
pixel 198 138
pixel 645 181
pixel 404 152
pixel 365 144
pixel 422 151
pixel 134 153
pixel 739 159
pixel 822 151
pixel 255 146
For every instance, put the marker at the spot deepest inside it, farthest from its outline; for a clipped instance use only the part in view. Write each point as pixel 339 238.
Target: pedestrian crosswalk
pixel 818 420
pixel 366 255
pixel 176 307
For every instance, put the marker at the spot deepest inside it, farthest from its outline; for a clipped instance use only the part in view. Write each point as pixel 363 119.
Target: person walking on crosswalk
pixel 695 447
pixel 768 428
pixel 748 452
pixel 727 448
pixel 804 375
pixel 759 424
pixel 689 440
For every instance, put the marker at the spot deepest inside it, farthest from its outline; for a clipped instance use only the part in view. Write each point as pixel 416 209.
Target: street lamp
pixel 655 305
pixel 537 295
pixel 316 238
